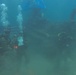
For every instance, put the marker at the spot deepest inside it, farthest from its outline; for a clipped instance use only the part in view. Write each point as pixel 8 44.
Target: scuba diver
pixel 4 47
pixel 64 43
pixel 4 41
pixel 36 8
pixel 20 46
pixel 35 13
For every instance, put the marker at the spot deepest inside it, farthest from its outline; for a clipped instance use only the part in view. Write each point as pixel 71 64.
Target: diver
pixel 5 41
pixel 19 45
pixel 35 13
pixel 64 42
pixel 4 47
pixel 36 8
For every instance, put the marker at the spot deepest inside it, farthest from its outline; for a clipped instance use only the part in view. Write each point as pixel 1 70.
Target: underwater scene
pixel 37 37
